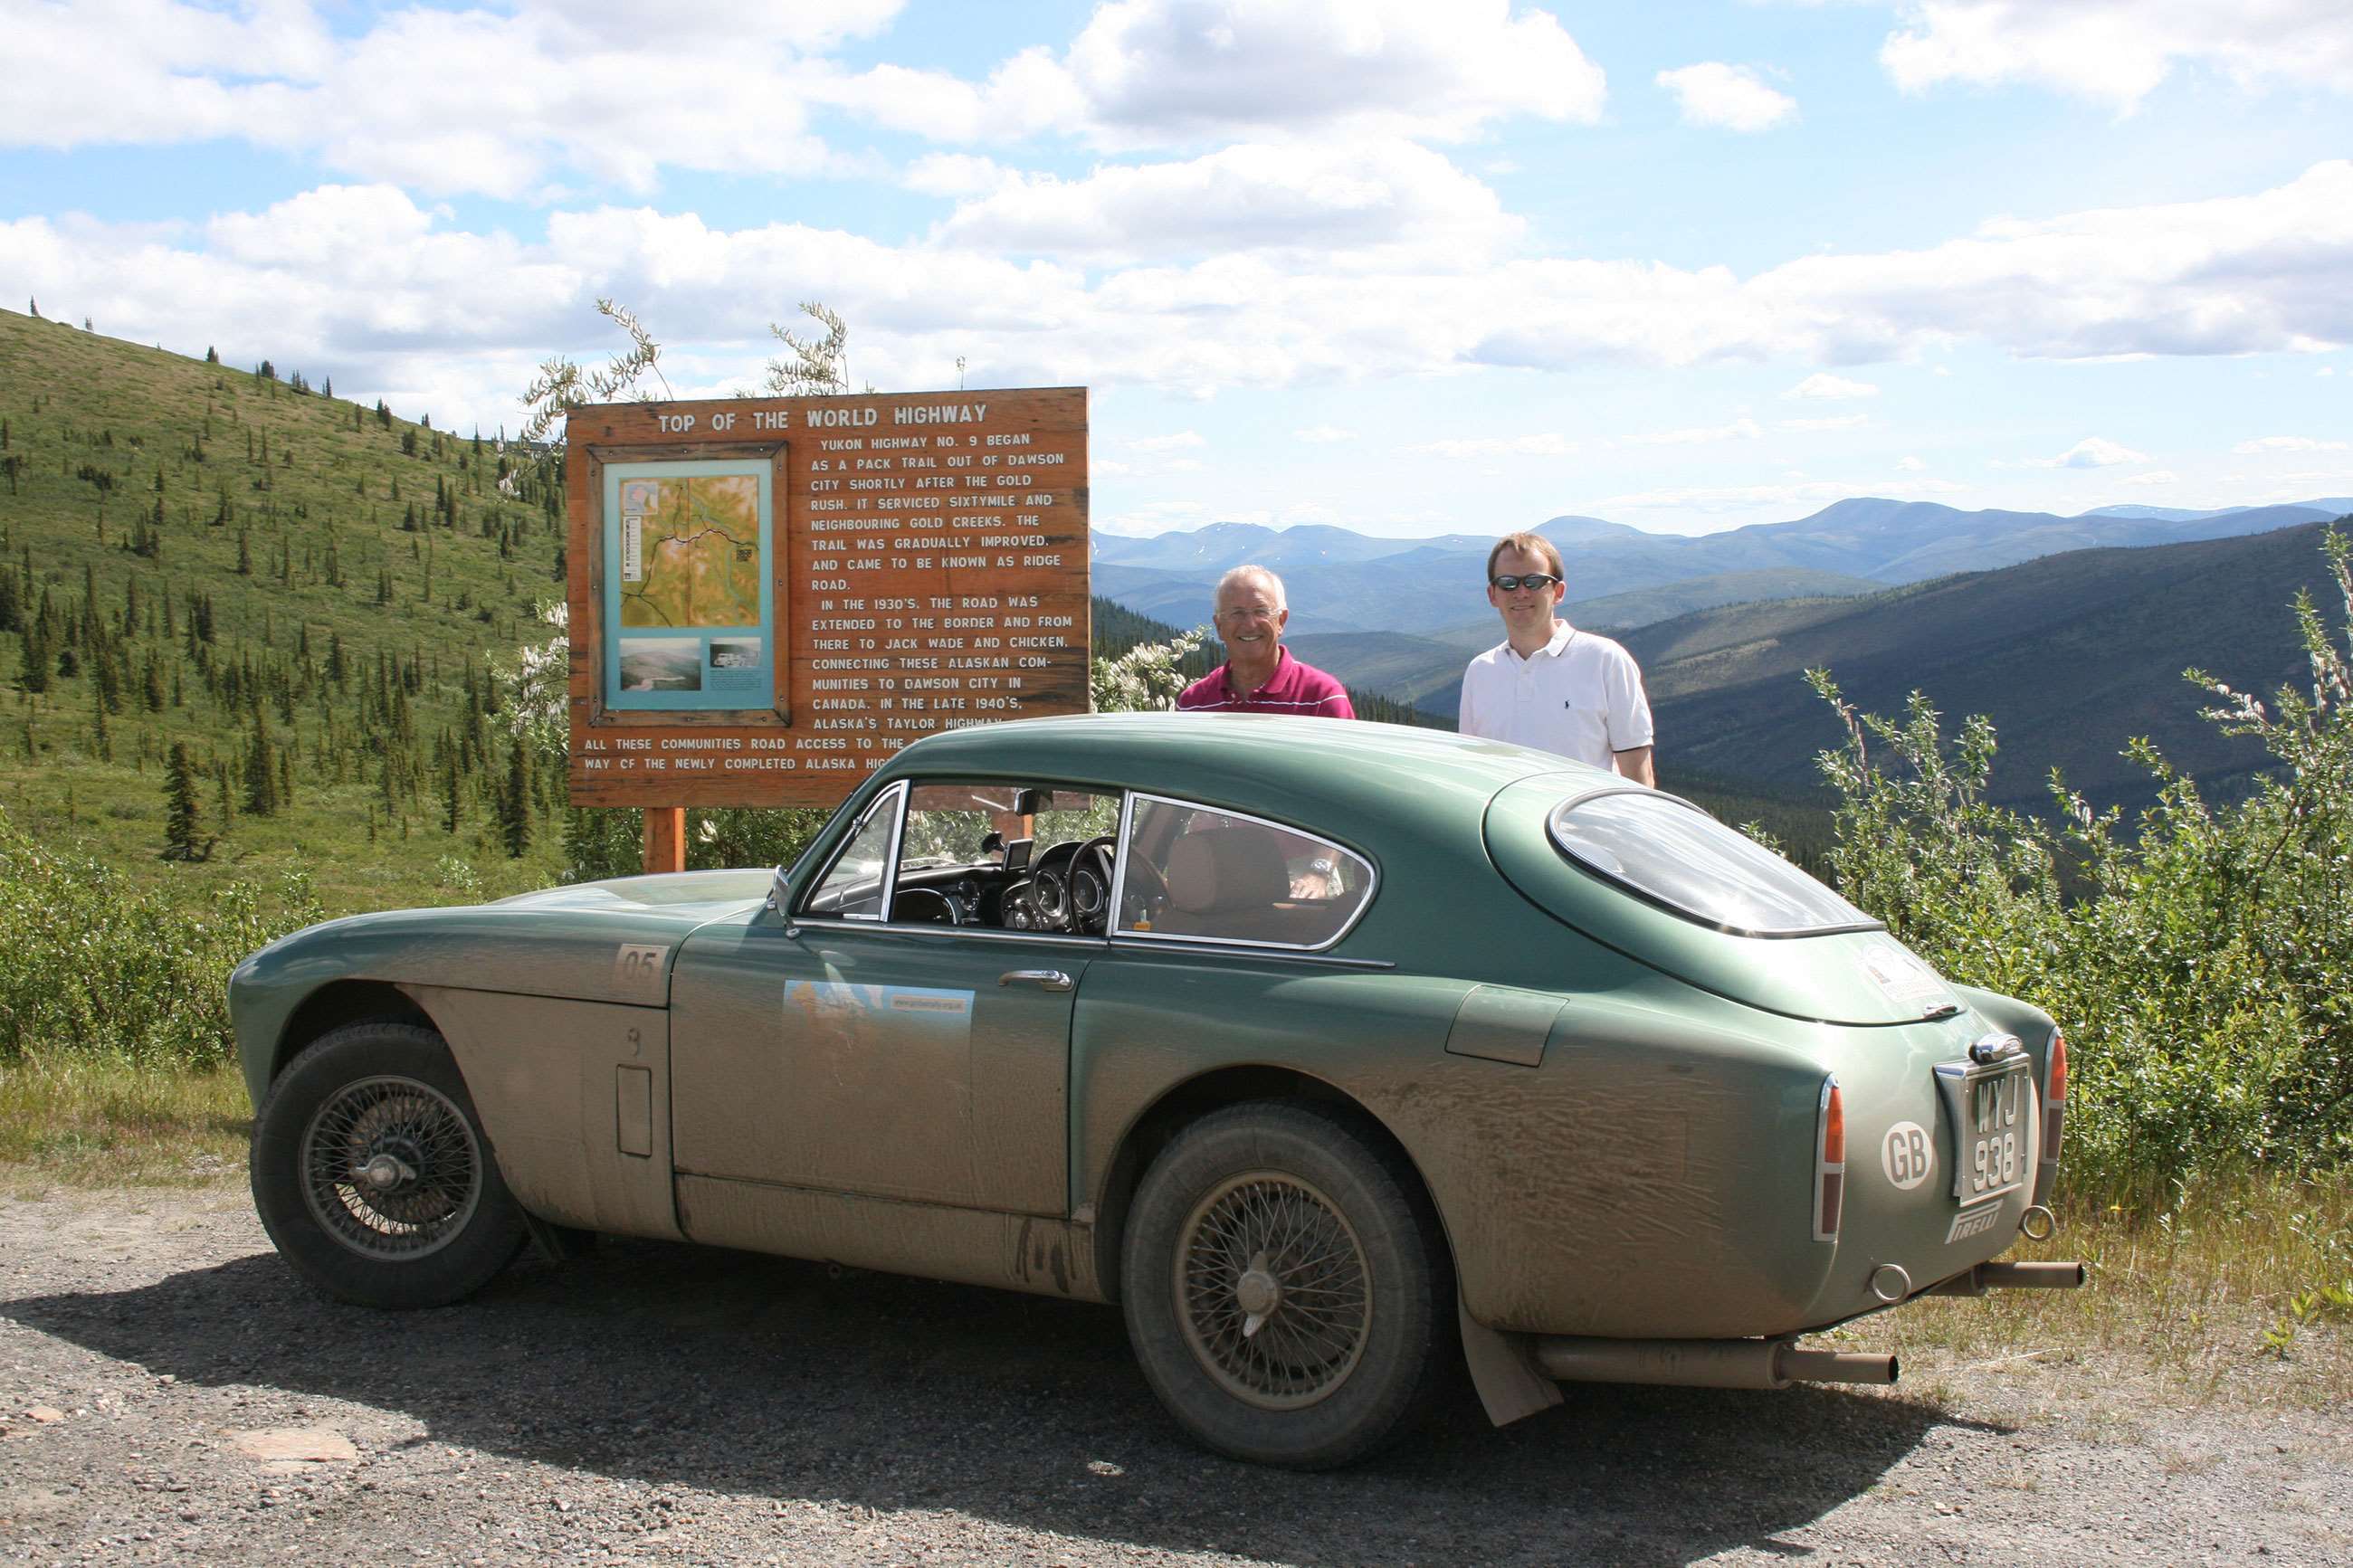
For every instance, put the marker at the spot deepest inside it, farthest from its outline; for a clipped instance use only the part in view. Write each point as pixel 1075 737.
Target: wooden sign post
pixel 770 596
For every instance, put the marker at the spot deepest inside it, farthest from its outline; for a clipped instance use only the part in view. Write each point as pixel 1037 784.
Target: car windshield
pixel 1675 854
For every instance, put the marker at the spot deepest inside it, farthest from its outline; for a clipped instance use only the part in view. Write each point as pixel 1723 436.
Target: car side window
pixel 853 885
pixel 1204 874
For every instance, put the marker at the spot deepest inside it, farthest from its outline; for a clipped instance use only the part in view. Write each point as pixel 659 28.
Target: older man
pixel 1259 676
pixel 1549 685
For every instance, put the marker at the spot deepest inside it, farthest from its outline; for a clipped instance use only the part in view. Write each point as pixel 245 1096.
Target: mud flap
pixel 1503 1372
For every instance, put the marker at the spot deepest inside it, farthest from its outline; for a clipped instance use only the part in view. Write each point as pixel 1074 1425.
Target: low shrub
pixel 2201 962
pixel 89 962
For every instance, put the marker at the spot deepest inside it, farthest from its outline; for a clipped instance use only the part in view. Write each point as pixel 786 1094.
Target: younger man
pixel 1549 685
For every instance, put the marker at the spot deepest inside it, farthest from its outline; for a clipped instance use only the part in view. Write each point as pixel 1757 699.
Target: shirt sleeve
pixel 1336 705
pixel 1466 706
pixel 1630 705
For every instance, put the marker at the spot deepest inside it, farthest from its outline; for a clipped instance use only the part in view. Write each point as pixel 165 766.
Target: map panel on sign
pixel 691 551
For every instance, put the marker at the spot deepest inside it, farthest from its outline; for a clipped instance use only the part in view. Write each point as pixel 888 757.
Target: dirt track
pixel 172 1394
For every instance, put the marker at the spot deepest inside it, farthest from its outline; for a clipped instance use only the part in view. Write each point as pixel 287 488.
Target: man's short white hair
pixel 1260 574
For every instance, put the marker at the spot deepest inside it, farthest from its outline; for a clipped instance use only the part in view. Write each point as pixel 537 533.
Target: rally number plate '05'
pixel 1991 1111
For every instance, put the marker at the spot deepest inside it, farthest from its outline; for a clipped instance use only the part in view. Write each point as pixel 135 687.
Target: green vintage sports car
pixel 1310 1044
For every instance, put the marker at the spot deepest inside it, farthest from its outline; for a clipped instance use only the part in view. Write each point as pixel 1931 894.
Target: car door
pixel 845 1051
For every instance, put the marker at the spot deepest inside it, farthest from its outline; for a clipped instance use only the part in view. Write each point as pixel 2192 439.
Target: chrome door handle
pixel 1044 979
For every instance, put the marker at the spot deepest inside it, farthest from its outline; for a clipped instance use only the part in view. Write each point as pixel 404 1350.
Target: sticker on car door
pixel 839 1005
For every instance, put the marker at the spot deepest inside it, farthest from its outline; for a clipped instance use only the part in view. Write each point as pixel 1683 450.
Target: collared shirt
pixel 1294 688
pixel 1579 695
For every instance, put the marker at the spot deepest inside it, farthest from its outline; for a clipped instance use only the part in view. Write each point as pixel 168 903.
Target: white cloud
pixel 1166 443
pixel 368 282
pixel 1733 97
pixel 1741 429
pixel 1545 445
pixel 1323 435
pixel 1834 422
pixel 1158 72
pixel 1824 385
pixel 1326 202
pixel 482 100
pixel 441 101
pixel 2117 51
pixel 2285 444
pixel 2091 452
pixel 955 175
pixel 2153 477
pixel 1909 465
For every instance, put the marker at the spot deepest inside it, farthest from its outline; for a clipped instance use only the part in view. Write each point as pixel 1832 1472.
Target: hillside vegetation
pixel 2072 656
pixel 299 597
pixel 2201 962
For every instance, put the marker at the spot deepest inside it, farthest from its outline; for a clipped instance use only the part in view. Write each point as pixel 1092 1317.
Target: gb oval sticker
pixel 1906 1155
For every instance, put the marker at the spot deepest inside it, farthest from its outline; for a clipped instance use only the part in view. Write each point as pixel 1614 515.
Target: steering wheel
pixel 1091 885
pixel 924 906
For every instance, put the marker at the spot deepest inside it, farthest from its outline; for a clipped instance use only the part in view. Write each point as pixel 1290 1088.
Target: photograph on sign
pixel 687 592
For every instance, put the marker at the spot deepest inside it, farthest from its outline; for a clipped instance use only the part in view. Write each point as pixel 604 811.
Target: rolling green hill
pixel 2070 655
pixel 301 593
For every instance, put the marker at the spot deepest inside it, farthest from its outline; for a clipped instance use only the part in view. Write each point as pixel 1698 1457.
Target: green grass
pixel 2189 1300
pixel 85 1120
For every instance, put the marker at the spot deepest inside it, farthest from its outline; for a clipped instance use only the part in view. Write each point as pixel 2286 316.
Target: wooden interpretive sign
pixel 770 596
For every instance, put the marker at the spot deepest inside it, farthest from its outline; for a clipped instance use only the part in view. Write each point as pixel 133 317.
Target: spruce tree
pixel 183 816
pixel 34 677
pixel 260 777
pixel 515 802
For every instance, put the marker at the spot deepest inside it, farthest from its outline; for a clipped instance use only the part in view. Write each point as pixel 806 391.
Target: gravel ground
pixel 169 1393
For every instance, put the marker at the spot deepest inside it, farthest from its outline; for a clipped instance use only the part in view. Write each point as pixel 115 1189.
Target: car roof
pixel 1258 762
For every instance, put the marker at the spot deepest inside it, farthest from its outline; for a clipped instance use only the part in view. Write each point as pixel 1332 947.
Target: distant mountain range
pixel 1342 580
pixel 2071 633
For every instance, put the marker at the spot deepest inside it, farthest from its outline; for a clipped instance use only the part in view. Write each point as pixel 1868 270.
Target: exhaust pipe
pixel 1988 1276
pixel 1704 1363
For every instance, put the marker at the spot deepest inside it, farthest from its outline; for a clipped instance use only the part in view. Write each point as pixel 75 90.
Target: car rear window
pixel 1675 854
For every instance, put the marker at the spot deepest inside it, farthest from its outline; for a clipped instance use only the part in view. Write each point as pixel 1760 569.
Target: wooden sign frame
pixel 925 566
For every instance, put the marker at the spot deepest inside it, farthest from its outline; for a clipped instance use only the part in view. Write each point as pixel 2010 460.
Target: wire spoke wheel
pixel 391 1168
pixel 1272 1290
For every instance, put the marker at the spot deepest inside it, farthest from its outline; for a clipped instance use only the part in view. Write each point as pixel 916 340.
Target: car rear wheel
pixel 371 1174
pixel 1285 1286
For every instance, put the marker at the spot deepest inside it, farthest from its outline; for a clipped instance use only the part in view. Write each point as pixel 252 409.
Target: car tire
pixel 1304 1219
pixel 373 1176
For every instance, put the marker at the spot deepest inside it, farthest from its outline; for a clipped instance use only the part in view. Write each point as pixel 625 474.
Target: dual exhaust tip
pixel 1775 1364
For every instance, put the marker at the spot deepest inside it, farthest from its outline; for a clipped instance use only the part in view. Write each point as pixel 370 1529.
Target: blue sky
pixel 1406 268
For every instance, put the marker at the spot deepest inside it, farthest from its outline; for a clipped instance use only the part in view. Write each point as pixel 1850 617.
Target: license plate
pixel 1991 1111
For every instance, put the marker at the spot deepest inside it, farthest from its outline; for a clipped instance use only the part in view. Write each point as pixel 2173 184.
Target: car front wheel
pixel 371 1174
pixel 1285 1285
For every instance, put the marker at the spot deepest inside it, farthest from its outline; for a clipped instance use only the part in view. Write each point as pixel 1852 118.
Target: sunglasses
pixel 1509 582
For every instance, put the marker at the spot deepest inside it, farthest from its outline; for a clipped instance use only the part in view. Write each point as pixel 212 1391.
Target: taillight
pixel 1830 1162
pixel 2054 1122
pixel 2055 1097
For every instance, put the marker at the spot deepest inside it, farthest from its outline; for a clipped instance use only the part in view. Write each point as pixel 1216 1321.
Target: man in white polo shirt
pixel 1549 685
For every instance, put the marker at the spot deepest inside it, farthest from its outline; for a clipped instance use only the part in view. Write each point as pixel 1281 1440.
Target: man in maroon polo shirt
pixel 1259 676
